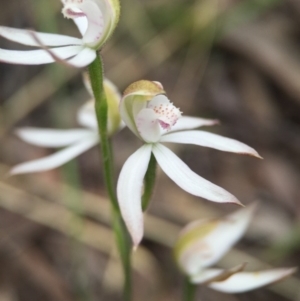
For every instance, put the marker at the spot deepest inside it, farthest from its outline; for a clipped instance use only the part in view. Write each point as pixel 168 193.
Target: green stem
pixel 121 234
pixel 189 290
pixel 96 76
pixel 149 182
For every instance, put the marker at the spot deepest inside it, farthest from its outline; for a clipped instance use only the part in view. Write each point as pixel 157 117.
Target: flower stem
pixel 189 290
pixel 149 182
pixel 121 234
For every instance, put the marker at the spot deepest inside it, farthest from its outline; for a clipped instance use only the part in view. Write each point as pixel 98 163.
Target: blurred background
pixel 234 60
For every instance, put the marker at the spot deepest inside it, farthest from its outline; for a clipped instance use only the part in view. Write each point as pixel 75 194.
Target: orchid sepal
pixel 202 243
pixel 74 141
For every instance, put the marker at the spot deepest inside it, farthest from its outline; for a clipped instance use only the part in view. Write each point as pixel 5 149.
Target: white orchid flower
pixel 202 243
pixel 73 141
pixel 151 116
pixel 96 20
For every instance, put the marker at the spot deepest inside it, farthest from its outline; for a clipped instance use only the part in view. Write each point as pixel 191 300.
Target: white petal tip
pixel 136 242
pixel 288 272
pixel 236 201
pixel 12 172
pixel 215 122
pixel 256 155
pixel 251 153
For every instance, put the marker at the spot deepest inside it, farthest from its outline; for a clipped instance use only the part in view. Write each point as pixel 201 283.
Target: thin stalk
pixel 121 234
pixel 96 76
pixel 189 290
pixel 149 182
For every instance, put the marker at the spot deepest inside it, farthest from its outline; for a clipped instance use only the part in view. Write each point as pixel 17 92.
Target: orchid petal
pixel 82 24
pixel 188 180
pixel 26 37
pixel 190 123
pixel 210 275
pixel 86 115
pixel 37 57
pixel 129 191
pixel 101 16
pixel 148 125
pixel 83 58
pixel 157 100
pixel 203 243
pixel 52 138
pixel 210 140
pixel 135 98
pixel 166 113
pixel 246 281
pixel 55 160
pixel 91 10
pixel 127 104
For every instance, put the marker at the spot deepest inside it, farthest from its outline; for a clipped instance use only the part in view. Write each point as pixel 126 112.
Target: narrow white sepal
pixel 246 281
pixel 25 37
pixel 210 140
pixel 188 180
pixel 55 160
pixel 52 138
pixel 190 123
pixel 129 190
pixel 37 57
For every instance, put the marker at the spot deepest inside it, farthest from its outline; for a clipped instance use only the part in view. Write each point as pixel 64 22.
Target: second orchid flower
pixel 151 116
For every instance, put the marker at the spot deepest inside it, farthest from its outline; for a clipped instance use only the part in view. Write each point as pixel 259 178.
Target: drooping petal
pixel 202 243
pixel 210 275
pixel 246 281
pixel 190 123
pixel 210 140
pixel 188 180
pixel 148 125
pixel 25 37
pixel 52 138
pixel 83 58
pixel 55 160
pixel 37 57
pixel 129 191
